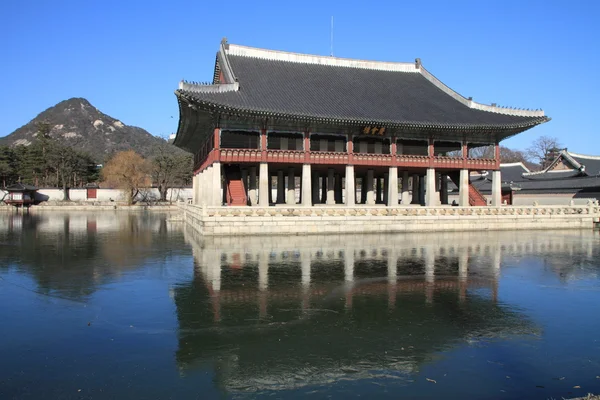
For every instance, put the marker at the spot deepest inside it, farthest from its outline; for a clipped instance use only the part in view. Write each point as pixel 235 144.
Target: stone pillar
pixel 350 191
pixel 415 189
pixel 379 190
pixel 323 189
pixel 422 190
pixel 201 188
pixel 338 189
pixel 496 189
pixel 217 190
pixel 315 188
pixel 280 187
pixel 271 189
pixel 330 184
pixel 307 195
pixel 370 193
pixel 291 187
pixel 264 185
pixel 444 189
pixel 430 193
pixel 463 188
pixel 252 189
pixel 393 187
pixel 405 196
pixel 195 189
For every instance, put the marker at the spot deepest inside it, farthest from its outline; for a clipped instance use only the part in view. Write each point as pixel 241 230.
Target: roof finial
pixel 224 43
pixel 417 63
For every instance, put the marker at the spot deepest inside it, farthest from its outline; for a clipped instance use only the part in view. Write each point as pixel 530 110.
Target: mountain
pixel 76 122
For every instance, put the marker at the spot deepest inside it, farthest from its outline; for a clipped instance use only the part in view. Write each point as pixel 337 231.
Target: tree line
pixel 49 163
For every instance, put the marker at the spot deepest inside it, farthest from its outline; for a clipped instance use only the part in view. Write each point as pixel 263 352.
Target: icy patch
pixel 118 124
pixel 22 142
pixel 70 135
pixel 98 123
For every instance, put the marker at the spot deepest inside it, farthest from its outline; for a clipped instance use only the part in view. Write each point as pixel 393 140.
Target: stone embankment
pixel 323 220
pixel 93 206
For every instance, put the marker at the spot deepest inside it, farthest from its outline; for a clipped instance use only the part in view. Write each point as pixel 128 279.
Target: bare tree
pixel 542 150
pixel 128 171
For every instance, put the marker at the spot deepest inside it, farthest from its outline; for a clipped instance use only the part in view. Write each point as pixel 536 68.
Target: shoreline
pixel 75 206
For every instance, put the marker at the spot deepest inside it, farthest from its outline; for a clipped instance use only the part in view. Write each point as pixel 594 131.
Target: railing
pixel 328 157
pixel 339 158
pixel 411 160
pixel 285 156
pixel 592 210
pixel 480 163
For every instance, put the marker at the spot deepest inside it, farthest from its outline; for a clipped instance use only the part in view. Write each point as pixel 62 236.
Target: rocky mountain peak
pixel 78 123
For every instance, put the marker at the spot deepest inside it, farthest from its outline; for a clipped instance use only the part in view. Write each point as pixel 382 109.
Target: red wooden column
pixel 217 144
pixel 430 152
pixel 497 155
pixel 394 150
pixel 350 149
pixel 263 145
pixel 465 153
pixel 307 147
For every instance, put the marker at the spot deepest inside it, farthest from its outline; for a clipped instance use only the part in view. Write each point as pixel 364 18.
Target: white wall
pixel 150 194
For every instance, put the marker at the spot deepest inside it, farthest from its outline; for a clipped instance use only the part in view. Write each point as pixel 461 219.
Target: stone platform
pixel 231 221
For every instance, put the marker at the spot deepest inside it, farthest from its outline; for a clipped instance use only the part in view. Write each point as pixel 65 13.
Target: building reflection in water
pixel 277 312
pixel 71 255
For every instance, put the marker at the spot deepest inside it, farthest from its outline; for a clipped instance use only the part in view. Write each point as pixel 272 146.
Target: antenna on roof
pixel 332 36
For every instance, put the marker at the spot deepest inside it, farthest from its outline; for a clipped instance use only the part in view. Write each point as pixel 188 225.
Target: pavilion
pixel 343 131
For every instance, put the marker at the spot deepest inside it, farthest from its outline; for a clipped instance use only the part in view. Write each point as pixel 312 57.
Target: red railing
pixel 204 158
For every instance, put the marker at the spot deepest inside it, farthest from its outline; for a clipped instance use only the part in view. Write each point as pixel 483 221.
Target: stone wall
pixel 233 221
pixel 103 195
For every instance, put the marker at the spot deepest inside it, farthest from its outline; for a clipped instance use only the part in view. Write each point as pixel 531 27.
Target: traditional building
pixel 343 131
pixel 568 177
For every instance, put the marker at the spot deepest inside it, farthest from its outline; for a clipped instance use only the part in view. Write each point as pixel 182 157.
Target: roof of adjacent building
pixel 20 187
pixel 259 82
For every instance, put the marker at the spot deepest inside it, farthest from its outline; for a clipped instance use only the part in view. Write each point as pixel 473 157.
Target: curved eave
pixel 417 125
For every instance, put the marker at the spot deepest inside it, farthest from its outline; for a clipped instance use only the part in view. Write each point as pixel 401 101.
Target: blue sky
pixel 127 57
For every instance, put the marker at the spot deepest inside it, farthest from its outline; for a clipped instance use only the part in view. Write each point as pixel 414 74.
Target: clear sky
pixel 127 57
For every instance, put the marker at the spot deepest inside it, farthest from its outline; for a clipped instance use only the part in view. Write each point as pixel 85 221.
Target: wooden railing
pixel 339 158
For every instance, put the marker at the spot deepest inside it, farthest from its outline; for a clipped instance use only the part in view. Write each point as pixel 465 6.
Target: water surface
pixel 117 305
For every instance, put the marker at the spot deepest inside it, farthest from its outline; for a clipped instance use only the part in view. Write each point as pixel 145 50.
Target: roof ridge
pixel 278 55
pixel 514 164
pixel 581 155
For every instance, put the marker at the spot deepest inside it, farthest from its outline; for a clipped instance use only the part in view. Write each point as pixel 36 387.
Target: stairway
pixel 236 192
pixel 475 196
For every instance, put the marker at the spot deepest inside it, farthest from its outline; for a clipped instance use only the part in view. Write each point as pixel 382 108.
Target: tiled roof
pixel 19 187
pixel 591 163
pixel 512 172
pixel 327 89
